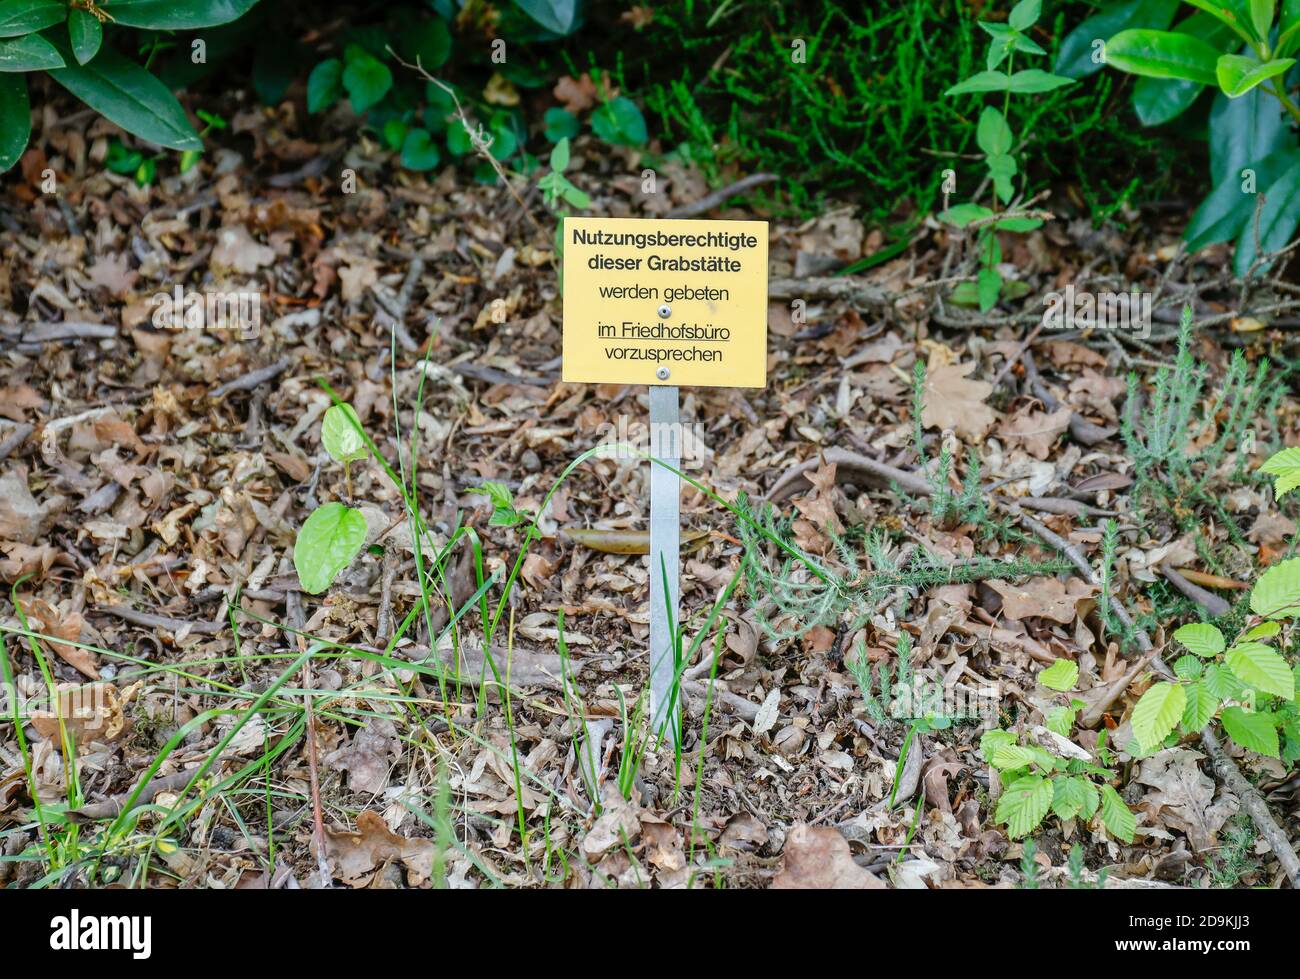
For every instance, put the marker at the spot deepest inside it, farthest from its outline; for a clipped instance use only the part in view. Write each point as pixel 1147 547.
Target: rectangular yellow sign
pixel 665 302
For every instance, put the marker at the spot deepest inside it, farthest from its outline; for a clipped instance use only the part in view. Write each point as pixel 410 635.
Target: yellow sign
pixel 665 302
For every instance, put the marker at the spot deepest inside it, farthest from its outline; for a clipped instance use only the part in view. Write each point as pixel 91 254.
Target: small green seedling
pixel 334 533
pixel 997 143
pixel 1248 686
pixel 1054 775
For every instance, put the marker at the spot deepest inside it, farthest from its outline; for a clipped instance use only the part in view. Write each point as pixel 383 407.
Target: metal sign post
pixel 665 558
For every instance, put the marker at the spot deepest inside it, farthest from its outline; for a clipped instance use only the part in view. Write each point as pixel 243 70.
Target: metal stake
pixel 665 557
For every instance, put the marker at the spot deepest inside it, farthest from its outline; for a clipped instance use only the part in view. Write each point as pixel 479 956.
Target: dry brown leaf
pixel 356 855
pixel 48 621
pixel 1036 430
pixel 1271 527
pixel 23 559
pixel 818 858
pixel 954 402
pixel 114 273
pixel 90 712
pixel 20 515
pixel 576 94
pixel 1184 799
pixel 1047 598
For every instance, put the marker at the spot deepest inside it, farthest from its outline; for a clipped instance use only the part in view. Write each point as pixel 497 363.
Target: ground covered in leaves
pixel 151 478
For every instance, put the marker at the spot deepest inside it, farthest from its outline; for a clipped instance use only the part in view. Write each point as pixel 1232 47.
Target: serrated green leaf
pixel 327 543
pixel 1061 719
pixel 1201 638
pixel 339 435
pixel 993 740
pixel 1116 816
pixel 1221 682
pixel 1091 798
pixel 1265 630
pixel 1201 705
pixel 1254 730
pixel 1023 804
pixel 1283 465
pixel 1261 667
pixel 1012 756
pixel 1277 593
pixel 1068 795
pixel 1187 667
pixel 1061 675
pixel 1158 713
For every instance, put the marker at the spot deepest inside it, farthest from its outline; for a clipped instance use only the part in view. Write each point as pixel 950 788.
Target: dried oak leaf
pixel 357 854
pixel 114 273
pixel 1046 598
pixel 1184 797
pixel 49 621
pixel 576 94
pixel 1036 430
pixel 818 858
pixel 93 712
pixel 366 759
pixel 236 249
pixel 1271 527
pixel 953 401
pixel 23 559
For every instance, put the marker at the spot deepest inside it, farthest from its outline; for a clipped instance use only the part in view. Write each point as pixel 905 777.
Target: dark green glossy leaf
pixel 1163 54
pixel 1081 54
pixel 1244 131
pixel 28 53
pixel 19 17
pixel 86 33
pixel 15 119
pixel 124 93
pixel 175 15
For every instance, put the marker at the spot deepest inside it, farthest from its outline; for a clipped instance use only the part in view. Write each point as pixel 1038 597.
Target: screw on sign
pixel 665 304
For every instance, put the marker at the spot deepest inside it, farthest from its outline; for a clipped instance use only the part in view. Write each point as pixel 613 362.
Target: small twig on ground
pixel 482 144
pixel 1207 600
pixel 253 379
pixel 296 619
pixel 14 439
pixel 709 201
pixel 152 621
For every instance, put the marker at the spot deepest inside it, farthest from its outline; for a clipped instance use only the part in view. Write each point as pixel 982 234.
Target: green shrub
pixel 864 118
pixel 1243 51
pixel 70 44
